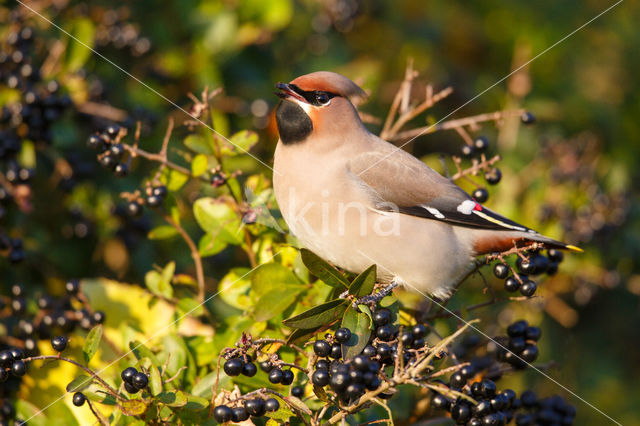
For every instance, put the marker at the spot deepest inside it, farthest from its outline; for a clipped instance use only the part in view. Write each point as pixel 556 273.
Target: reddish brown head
pixel 317 104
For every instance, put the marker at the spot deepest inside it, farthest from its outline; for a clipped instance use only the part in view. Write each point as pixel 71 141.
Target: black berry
pixel 275 376
pixel 481 143
pixel 322 348
pixel 222 414
pixel 297 391
pixel 481 195
pixel 272 404
pixel 233 367
pixel 320 378
pixel 140 380
pixel 511 284
pixel 18 368
pixel 500 270
pixel 528 288
pixel 239 414
pixel 342 335
pixel 79 399
pixel 265 366
pixel 59 343
pixel 255 407
pixel 249 369
pixel 493 176
pixel 467 150
pixel 287 377
pixel 127 374
pixel 527 118
pixel 381 317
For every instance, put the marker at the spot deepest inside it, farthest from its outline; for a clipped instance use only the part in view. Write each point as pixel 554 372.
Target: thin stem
pixel 111 391
pixel 97 415
pixel 452 124
pixel 195 255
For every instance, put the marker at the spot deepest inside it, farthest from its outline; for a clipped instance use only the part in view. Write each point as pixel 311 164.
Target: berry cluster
pixel 521 344
pixel 534 264
pixel 114 30
pixel 255 407
pixel 477 379
pixel 155 196
pixel 476 149
pixel 134 380
pixel 54 317
pixel 110 149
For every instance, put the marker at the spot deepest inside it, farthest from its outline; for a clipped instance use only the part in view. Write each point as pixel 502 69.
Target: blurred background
pixel 573 175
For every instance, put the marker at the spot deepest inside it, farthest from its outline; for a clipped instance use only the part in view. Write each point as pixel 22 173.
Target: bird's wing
pixel 397 181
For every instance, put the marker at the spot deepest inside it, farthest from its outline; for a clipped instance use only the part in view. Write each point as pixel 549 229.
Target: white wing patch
pixel 466 207
pixel 435 212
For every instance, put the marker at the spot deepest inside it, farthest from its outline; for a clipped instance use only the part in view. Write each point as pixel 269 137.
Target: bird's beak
pixel 289 91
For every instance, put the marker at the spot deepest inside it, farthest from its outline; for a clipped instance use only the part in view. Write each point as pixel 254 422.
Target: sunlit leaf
pixel 83 30
pixel 198 144
pixel 318 315
pixel 218 219
pixel 133 407
pixel 199 165
pixel 270 276
pixel 172 399
pixel 162 232
pixel 91 343
pixel 275 302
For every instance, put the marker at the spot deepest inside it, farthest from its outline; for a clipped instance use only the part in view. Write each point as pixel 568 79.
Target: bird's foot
pixel 374 298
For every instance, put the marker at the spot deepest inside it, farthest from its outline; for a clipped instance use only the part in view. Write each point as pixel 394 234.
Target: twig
pixel 195 255
pixel 111 391
pixel 459 122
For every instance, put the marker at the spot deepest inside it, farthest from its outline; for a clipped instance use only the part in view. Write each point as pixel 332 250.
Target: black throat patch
pixel 294 125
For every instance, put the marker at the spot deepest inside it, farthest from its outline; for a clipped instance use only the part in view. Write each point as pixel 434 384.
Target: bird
pixel 355 199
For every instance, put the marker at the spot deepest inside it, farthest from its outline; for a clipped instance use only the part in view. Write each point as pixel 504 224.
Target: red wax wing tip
pixel 477 207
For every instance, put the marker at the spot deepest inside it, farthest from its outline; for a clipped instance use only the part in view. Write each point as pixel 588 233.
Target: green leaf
pixel 83 30
pixel 172 399
pixel 283 413
pixel 133 407
pixel 363 284
pixel 141 351
pixel 244 140
pixel 271 276
pixel 209 245
pixel 360 327
pixel 218 219
pixel 92 343
pixel 321 269
pixel 321 394
pixel 235 287
pixel 191 306
pixel 318 315
pixel 175 351
pixel 198 144
pixel 173 179
pixel 275 302
pixel 302 334
pixel 80 383
pixel 298 404
pixel 162 232
pixel 199 165
pixel 160 283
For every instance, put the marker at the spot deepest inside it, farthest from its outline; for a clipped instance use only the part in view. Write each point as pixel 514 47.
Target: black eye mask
pixel 314 97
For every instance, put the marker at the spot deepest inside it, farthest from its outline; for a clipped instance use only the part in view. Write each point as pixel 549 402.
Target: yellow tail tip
pixel 574 248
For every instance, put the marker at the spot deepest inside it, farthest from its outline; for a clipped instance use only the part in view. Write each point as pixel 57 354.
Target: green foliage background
pixel 584 92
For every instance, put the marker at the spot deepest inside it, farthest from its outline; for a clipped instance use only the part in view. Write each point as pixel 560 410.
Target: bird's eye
pixel 322 98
